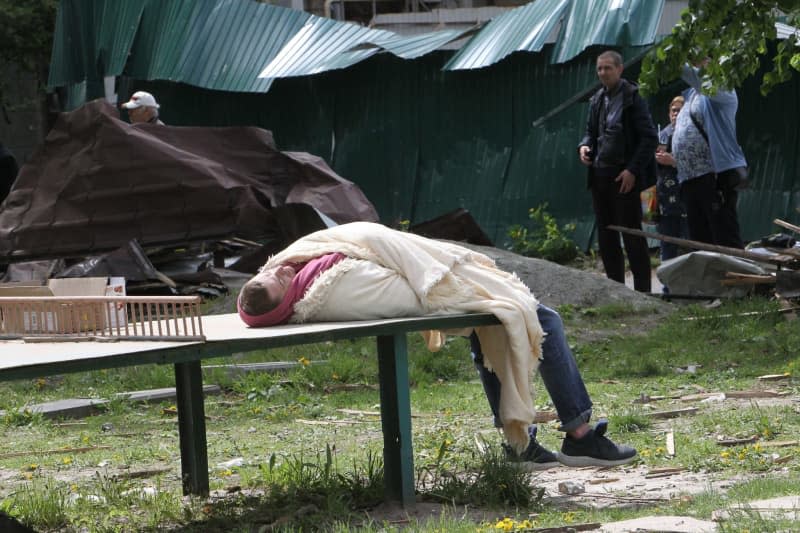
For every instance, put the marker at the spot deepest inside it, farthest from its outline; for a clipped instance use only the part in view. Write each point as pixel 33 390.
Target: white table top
pixel 219 330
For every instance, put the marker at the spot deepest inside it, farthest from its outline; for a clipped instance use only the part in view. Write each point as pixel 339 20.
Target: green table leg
pixel 192 428
pixel 398 456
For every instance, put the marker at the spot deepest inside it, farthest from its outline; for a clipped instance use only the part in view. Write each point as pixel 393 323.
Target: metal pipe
pixel 326 10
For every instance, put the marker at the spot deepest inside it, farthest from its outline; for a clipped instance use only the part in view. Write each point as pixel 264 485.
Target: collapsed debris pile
pixel 173 210
pixel 770 265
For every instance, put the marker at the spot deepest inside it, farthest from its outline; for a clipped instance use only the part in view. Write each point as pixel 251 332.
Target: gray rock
pixel 571 487
pixel 556 285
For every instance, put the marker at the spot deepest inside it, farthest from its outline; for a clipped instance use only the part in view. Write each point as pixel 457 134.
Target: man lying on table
pixel 362 271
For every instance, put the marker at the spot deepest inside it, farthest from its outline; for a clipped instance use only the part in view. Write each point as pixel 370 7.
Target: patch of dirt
pixel 629 486
pixel 394 514
pixel 620 487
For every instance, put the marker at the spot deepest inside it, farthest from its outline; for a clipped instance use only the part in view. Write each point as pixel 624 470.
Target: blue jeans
pixel 672 226
pixel 559 373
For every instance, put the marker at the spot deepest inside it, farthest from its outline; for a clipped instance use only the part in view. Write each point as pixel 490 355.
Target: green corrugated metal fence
pixel 421 141
pixel 417 139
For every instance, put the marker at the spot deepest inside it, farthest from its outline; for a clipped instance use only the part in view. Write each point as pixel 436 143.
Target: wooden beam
pixel 777 259
pixel 738 278
pixel 783 224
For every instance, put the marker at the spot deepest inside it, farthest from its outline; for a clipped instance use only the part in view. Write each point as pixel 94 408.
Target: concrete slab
pixel 160 395
pixel 244 368
pixel 70 408
pixel 784 507
pixel 83 407
pixel 661 524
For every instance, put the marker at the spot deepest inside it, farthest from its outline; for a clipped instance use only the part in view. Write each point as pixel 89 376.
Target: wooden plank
pixel 754 277
pixel 672 414
pixel 654 475
pixel 671 443
pixel 737 278
pixel 646 398
pixel 142 474
pixel 326 422
pixel 756 394
pixel 779 443
pixel 665 470
pixel 777 259
pixel 589 526
pixel 539 417
pixel 784 224
pixel 775 377
pixel 789 309
pixel 53 452
pixel 699 396
pixel 269 366
pixel 737 442
pixel 601 480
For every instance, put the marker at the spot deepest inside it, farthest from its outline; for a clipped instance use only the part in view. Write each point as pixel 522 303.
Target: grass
pixel 282 455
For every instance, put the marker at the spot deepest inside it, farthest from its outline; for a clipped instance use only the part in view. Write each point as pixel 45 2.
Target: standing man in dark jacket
pixel 619 147
pixel 8 171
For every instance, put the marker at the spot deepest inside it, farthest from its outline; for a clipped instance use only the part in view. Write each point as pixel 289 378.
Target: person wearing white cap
pixel 142 108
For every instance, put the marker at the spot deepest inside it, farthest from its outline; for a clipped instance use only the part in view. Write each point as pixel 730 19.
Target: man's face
pixel 140 114
pixel 674 109
pixel 276 281
pixel 608 73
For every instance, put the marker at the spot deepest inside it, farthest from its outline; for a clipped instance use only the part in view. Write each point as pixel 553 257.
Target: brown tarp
pixel 98 182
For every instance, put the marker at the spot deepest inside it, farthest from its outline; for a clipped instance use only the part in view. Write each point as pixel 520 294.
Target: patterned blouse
pixel 691 151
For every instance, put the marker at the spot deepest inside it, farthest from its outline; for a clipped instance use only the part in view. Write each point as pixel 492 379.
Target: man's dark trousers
pixel 711 211
pixel 613 207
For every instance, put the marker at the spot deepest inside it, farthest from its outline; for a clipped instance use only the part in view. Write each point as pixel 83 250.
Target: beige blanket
pixel 447 278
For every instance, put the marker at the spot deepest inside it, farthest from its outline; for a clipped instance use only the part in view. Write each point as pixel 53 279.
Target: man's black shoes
pixel 595 449
pixel 535 456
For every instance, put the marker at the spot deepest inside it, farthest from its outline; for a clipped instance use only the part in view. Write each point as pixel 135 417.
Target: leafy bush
pixel 546 239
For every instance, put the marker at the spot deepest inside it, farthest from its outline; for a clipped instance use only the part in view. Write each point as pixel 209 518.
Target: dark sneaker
pixel 535 456
pixel 595 449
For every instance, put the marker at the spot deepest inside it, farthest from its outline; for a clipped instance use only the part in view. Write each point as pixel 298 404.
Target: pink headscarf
pixel 301 281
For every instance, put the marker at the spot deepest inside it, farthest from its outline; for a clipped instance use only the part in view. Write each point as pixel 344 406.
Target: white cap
pixel 139 99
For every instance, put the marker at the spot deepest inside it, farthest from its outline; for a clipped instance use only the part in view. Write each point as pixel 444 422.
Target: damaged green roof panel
pixel 216 45
pixel 322 44
pixel 325 44
pixel 92 39
pixel 240 45
pixel 525 28
pixel 607 22
pixel 413 46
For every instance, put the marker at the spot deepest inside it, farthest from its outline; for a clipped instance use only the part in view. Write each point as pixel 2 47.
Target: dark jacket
pixel 8 171
pixel 638 134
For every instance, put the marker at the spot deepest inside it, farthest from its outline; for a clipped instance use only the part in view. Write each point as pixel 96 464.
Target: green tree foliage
pixel 26 34
pixel 733 34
